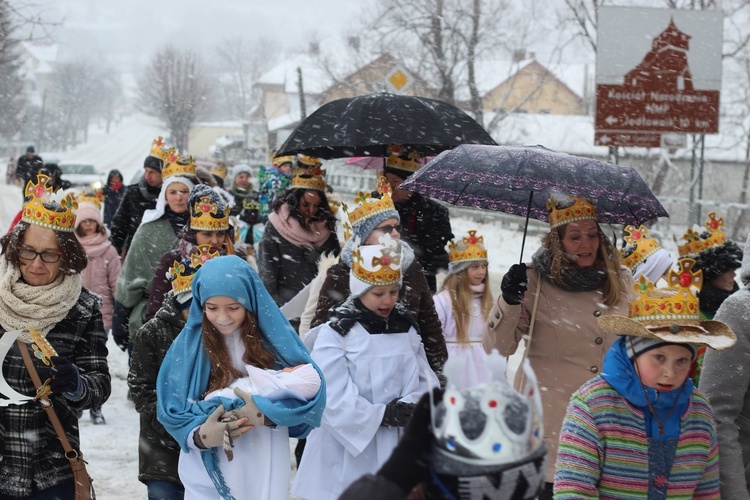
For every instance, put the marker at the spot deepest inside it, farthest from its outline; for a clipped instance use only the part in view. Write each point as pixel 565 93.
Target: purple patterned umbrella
pixel 520 180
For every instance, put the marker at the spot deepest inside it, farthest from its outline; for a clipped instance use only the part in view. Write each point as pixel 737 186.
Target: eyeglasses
pixel 48 257
pixel 389 228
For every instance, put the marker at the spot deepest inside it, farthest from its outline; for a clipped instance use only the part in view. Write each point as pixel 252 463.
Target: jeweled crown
pixel 581 209
pixel 176 164
pixel 490 423
pixel 400 159
pixel 470 249
pixel 309 161
pixel 377 265
pixel 181 274
pixel 207 215
pixel 219 169
pixel 367 206
pixel 280 160
pixel 95 197
pixel 697 241
pixel 639 246
pixel 159 149
pixel 309 178
pixel 34 211
pixel 659 307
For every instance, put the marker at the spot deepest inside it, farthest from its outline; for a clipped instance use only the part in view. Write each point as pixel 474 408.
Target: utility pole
pixel 301 90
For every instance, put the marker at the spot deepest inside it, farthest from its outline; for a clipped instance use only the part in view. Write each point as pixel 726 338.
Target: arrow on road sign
pixel 610 120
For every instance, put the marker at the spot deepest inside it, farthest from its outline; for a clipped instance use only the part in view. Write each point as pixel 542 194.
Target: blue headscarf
pixel 620 373
pixel 183 377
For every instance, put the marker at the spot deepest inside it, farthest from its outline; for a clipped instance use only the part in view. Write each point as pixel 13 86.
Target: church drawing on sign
pixel 665 66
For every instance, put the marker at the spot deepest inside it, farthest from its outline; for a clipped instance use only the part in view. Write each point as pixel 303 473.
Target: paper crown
pixel 207 215
pixel 219 170
pixel 309 178
pixel 95 197
pixel 280 160
pixel 176 164
pixel 697 241
pixel 400 159
pixel 367 206
pixel 639 246
pixel 181 273
pixel 34 211
pixel 470 249
pixel 309 161
pixel 671 315
pixel 159 149
pixel 581 209
pixel 488 425
pixel 377 265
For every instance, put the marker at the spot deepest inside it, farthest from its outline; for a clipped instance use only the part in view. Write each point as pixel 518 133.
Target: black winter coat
pixel 27 168
pixel 158 452
pixel 427 229
pixel 137 199
pixel 285 268
pixel 112 198
pixel 29 446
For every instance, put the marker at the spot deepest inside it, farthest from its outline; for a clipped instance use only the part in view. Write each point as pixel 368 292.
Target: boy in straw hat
pixel 641 429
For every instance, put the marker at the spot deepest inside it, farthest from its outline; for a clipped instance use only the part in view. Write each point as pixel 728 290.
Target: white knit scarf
pixel 24 306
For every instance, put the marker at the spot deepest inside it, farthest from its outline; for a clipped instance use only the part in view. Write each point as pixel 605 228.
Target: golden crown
pixel 280 160
pixel 471 248
pixel 697 241
pixel 207 216
pixel 377 265
pixel 581 209
pixel 181 275
pixel 639 246
pixel 309 178
pixel 367 206
pixel 219 169
pixel 176 164
pixel 95 197
pixel 658 307
pixel 34 211
pixel 159 149
pixel 308 161
pixel 411 162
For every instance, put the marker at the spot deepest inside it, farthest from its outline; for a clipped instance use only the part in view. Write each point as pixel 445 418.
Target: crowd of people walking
pixel 248 321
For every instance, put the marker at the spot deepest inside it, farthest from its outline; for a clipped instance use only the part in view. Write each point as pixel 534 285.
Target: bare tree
pixel 176 89
pixel 12 98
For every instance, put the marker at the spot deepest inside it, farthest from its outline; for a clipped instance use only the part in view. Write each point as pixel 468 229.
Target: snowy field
pixel 111 450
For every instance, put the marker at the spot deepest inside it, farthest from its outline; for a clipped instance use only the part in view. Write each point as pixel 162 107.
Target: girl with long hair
pixel 463 305
pixel 233 323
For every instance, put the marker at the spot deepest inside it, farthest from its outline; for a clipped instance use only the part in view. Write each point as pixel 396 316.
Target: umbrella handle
pixel 526 226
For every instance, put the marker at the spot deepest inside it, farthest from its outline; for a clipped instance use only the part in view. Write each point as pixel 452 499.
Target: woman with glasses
pixel 373 219
pixel 156 235
pixel 40 276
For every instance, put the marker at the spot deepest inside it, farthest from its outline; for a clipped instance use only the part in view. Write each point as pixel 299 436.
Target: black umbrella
pixel 366 125
pixel 520 180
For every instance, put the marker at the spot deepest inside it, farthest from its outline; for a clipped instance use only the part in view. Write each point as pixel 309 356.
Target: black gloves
pixel 397 414
pixel 120 320
pixel 514 283
pixel 65 376
pixel 407 465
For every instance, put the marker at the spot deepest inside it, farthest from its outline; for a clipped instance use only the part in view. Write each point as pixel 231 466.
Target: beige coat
pixel 567 346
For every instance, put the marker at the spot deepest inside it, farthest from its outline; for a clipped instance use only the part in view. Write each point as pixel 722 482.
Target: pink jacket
pixel 101 273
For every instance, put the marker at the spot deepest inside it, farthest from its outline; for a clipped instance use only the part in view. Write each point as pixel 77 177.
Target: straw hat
pixel 670 315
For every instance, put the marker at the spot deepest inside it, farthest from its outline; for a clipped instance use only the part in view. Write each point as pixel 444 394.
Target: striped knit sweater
pixel 604 449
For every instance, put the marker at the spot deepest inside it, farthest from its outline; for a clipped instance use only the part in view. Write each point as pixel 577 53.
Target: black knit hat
pixel 719 259
pixel 153 163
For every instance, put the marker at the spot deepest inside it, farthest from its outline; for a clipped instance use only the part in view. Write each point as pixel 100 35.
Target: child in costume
pixel 375 369
pixel 233 322
pixel 641 429
pixel 463 304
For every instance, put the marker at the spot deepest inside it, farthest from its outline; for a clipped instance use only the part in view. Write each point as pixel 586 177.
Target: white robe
pixel 261 466
pixel 363 373
pixel 475 370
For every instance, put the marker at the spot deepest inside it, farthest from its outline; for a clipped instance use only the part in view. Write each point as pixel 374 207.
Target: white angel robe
pixel 363 373
pixel 261 466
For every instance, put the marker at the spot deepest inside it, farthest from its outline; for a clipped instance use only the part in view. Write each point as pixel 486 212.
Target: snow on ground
pixel 111 450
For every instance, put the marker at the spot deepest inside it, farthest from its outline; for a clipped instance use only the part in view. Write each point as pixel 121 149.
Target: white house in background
pixel 38 62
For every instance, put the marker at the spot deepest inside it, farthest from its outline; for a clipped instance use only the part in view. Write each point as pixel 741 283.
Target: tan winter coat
pixel 567 346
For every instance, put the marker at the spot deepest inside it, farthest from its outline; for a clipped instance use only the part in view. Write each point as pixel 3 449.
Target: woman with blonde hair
pixel 574 278
pixel 463 305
